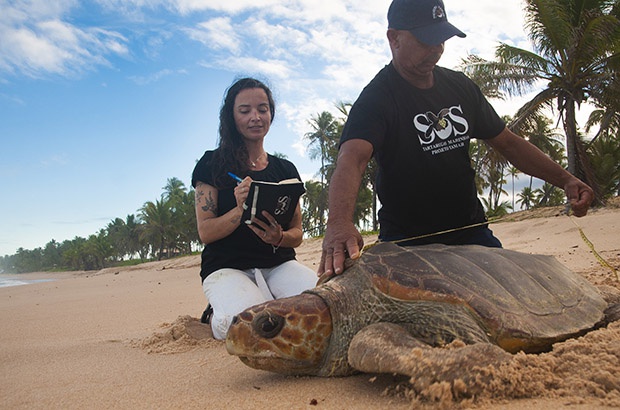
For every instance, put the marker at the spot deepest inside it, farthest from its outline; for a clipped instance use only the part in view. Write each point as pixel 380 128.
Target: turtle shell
pixel 524 302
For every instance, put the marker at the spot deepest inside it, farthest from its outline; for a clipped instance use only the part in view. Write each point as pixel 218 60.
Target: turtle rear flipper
pixel 612 313
pixel 612 297
pixel 389 348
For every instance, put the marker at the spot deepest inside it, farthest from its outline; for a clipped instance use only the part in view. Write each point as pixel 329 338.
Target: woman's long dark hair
pixel 232 154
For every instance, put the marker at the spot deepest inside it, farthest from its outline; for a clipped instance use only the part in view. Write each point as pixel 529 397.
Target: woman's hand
pixel 271 233
pixel 241 192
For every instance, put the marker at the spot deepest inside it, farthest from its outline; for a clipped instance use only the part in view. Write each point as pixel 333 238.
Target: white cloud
pixel 217 34
pixel 227 7
pixel 148 79
pixel 12 99
pixel 277 39
pixel 276 69
pixel 26 50
pixel 54 159
pixel 35 40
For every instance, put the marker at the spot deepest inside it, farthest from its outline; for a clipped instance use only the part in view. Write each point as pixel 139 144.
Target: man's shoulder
pixel 446 78
pixel 380 80
pixel 377 89
pixel 450 74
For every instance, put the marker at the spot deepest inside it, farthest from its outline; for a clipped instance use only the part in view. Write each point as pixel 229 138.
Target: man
pixel 417 119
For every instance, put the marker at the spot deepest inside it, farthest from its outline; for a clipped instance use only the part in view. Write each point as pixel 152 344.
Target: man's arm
pixel 532 161
pixel 341 236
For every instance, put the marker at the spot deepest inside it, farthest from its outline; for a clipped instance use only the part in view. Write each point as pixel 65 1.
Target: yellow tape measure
pixel 600 259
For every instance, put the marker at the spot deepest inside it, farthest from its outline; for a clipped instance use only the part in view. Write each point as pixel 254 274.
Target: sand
pixel 130 338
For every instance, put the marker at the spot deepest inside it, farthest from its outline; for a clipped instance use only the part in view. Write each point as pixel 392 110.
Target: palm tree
pixel 98 249
pixel 363 207
pixel 575 45
pixel 325 135
pixel 181 204
pixel 477 152
pixel 548 195
pixel 311 215
pixel 496 211
pixel 158 225
pixel 174 189
pixel 495 177
pixel 489 168
pixel 513 172
pixel 540 133
pixel 370 179
pixel 135 244
pixel 118 237
pixel 604 153
pixel 185 220
pixel 74 253
pixel 604 149
pixel 527 197
pixel 51 255
pixel 607 114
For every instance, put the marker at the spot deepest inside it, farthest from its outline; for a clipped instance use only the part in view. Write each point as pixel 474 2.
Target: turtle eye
pixel 268 325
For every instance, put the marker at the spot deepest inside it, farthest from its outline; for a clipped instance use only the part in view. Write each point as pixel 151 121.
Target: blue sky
pixel 102 101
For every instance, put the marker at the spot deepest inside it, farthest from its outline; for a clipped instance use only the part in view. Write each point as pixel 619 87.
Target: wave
pixel 6 281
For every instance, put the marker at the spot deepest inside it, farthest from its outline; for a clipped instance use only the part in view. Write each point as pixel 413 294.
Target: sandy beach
pixel 129 338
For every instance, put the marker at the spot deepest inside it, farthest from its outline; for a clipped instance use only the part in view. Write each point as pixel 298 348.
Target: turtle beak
pixel 267 324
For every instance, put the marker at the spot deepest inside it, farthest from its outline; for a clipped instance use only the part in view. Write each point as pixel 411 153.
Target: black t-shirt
pixel 242 249
pixel 421 140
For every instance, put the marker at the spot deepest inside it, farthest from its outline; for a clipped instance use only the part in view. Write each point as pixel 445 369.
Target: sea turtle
pixel 390 310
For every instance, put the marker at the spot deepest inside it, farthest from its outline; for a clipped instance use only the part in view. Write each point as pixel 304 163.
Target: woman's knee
pixel 291 278
pixel 229 291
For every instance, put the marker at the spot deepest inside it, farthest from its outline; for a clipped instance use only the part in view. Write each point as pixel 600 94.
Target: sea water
pixel 14 280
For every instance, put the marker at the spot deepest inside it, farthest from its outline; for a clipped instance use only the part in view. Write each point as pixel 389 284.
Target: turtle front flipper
pixel 389 348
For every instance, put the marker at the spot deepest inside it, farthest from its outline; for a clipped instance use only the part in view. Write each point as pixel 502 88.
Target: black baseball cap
pixel 425 19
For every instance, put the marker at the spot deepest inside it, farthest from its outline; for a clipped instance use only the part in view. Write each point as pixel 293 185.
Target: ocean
pixel 13 280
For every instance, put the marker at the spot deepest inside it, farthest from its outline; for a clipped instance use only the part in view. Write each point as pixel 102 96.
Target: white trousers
pixel 231 291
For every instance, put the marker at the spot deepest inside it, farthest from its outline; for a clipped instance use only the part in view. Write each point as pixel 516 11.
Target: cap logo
pixel 438 13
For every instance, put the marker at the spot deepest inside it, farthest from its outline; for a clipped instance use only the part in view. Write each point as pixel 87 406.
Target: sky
pixel 102 101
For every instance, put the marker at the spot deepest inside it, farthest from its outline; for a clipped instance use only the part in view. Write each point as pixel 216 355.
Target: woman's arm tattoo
pixel 209 204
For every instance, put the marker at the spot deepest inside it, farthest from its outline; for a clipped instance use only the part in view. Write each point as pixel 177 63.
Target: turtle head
pixel 288 336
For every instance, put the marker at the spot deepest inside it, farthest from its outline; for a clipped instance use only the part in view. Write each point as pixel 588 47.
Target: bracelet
pixel 277 246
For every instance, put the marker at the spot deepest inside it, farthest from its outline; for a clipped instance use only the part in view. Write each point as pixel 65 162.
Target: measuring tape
pixel 598 257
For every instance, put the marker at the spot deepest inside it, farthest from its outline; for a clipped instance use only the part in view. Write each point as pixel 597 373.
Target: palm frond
pixel 534 107
pixel 548 24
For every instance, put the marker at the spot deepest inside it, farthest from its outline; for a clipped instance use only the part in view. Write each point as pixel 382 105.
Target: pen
pixel 235 177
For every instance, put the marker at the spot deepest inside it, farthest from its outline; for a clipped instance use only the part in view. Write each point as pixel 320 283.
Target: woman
pixel 244 265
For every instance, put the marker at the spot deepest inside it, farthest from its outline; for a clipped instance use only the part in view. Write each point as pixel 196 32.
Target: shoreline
pixel 7 281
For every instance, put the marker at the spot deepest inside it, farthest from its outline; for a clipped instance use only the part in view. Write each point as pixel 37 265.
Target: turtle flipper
pixel 388 348
pixel 612 313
